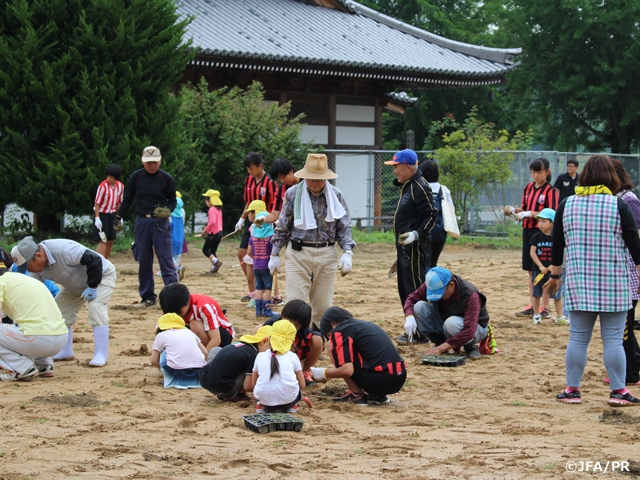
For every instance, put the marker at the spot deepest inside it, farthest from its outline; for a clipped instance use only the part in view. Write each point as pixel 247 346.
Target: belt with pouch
pixel 317 244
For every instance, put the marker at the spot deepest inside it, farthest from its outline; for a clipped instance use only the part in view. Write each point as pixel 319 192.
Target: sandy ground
pixel 493 418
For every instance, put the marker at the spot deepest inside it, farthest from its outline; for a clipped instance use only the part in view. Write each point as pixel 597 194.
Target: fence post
pixel 370 187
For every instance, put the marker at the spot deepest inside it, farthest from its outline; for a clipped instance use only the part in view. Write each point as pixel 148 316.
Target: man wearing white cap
pixel 151 188
pixel 84 277
pixel 313 219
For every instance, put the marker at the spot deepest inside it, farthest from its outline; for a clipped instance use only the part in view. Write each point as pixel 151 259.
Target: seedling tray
pixel 271 422
pixel 444 360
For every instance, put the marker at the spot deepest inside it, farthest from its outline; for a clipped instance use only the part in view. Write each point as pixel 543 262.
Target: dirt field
pixel 494 418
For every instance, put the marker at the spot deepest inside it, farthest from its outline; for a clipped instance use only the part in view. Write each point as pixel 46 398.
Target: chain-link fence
pixel 368 185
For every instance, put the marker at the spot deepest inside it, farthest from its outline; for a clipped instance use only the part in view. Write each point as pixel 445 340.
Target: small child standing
pixel 277 374
pixel 213 230
pixel 178 353
pixel 260 250
pixel 108 199
pixel 177 234
pixel 540 248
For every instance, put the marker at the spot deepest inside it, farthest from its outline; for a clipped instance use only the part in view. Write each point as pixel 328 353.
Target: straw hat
pixel 316 168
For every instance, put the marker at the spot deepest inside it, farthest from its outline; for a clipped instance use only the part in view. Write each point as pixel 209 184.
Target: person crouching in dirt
pixel 364 357
pixel 450 311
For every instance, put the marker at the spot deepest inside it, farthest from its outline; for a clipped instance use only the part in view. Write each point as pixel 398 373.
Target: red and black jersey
pixel 302 342
pixel 265 190
pixel 365 344
pixel 535 199
pixel 282 190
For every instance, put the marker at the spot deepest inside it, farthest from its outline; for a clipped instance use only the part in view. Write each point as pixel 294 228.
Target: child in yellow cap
pixel 259 253
pixel 178 353
pixel 212 232
pixel 277 373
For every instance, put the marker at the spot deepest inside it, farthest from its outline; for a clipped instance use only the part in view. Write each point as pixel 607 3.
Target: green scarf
pixel 593 190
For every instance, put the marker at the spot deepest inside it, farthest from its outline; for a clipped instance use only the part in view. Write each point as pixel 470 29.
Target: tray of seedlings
pixel 271 422
pixel 444 360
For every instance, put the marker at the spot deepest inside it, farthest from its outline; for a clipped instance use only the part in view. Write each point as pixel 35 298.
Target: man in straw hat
pixel 314 217
pixel 153 191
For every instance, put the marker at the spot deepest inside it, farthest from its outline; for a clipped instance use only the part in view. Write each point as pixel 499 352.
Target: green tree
pixel 83 83
pixel 579 70
pixel 219 129
pixel 475 158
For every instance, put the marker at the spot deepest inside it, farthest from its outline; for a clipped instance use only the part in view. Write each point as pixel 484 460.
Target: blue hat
pixel 548 213
pixel 407 157
pixel 437 280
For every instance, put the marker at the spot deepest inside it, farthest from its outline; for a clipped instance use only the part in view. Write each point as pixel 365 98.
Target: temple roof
pixel 353 40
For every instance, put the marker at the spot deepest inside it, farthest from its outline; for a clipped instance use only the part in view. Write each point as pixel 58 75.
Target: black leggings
pixel 211 244
pixel 630 345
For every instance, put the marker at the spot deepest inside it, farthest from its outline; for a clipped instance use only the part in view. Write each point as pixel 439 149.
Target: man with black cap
pixel 415 216
pixel 84 276
pixel 154 192
pixel 450 311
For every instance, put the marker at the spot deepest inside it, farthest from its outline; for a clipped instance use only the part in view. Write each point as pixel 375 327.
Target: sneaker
pixel 159 273
pixel 259 408
pixel 623 399
pixel 525 312
pixel 149 302
pixel 277 301
pixel 252 303
pixel 46 371
pixel 563 320
pixel 404 339
pixel 246 298
pixel 351 397
pixel 473 353
pixel 293 409
pixel 181 270
pixel 569 397
pixel 11 376
pixel 378 400
pixel 537 319
pixel 216 266
pixel 545 312
pixel 606 381
pixel 308 378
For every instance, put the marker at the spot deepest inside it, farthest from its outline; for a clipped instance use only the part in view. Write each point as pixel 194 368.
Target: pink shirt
pixel 215 221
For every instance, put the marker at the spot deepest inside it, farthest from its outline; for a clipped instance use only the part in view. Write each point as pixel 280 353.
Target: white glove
pixel 274 265
pixel 345 263
pixel 409 237
pixel 98 223
pixel 509 211
pixel 523 215
pixel 410 326
pixel 240 224
pixel 247 260
pixel 318 374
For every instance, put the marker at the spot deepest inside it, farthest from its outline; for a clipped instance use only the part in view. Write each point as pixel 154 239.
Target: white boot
pixel 67 352
pixel 101 341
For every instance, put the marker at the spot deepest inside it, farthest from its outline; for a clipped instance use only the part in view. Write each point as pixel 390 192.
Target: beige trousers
pixel 71 303
pixel 310 274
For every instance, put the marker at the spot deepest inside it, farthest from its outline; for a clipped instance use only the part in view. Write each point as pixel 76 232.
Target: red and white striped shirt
pixel 206 310
pixel 109 198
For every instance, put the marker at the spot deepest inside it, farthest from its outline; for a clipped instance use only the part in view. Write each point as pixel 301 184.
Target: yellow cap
pixel 261 334
pixel 170 320
pixel 282 336
pixel 178 194
pixel 257 206
pixel 214 197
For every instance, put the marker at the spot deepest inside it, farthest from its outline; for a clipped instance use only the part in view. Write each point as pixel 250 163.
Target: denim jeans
pixel 431 324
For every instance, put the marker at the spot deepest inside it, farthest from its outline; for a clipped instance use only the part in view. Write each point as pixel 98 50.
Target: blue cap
pixel 407 157
pixel 437 280
pixel 548 213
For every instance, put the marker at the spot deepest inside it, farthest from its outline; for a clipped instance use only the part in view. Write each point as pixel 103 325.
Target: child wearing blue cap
pixel 540 248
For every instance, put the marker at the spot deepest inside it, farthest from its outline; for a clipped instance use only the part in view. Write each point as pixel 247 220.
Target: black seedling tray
pixel 271 422
pixel 637 325
pixel 444 360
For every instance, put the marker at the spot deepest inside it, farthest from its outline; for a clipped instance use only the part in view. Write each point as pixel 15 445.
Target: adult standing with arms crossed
pixel 413 221
pixel 151 188
pixel 314 217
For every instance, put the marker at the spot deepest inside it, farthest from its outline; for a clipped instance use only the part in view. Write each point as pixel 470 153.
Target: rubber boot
pixel 101 341
pixel 259 308
pixel 67 352
pixel 267 312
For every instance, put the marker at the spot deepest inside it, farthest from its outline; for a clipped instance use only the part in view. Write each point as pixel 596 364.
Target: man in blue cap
pixel 415 217
pixel 450 311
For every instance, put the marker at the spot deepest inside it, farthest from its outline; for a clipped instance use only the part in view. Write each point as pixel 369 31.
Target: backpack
pixel 438 233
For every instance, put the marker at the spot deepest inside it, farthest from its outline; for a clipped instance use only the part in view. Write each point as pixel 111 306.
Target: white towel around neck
pixel 307 220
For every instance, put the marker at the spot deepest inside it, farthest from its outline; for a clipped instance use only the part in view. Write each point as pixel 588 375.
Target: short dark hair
pixel 281 167
pixel 335 315
pixel 599 170
pixel 573 162
pixel 297 311
pixel 540 164
pixel 114 170
pixel 623 176
pixel 430 171
pixel 253 158
pixel 173 297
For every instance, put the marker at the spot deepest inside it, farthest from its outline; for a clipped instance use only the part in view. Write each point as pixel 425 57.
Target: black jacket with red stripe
pixel 365 345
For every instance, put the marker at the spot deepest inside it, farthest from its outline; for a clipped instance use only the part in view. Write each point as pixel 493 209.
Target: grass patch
pixel 518 403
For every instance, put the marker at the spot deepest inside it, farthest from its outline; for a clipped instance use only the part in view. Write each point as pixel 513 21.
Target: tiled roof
pixel 297 33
